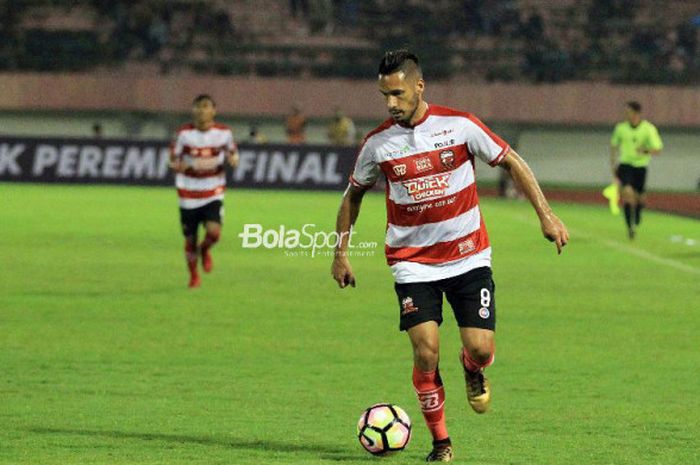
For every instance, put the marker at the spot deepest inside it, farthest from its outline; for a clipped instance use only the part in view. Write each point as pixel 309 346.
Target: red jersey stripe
pixel 441 252
pixel 204 174
pixel 188 194
pixel 432 211
pixel 202 151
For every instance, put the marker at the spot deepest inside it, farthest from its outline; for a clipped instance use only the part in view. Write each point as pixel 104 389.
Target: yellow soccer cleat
pixel 478 390
pixel 441 453
pixel 612 193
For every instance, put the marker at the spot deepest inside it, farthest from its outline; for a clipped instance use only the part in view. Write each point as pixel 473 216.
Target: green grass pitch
pixel 107 358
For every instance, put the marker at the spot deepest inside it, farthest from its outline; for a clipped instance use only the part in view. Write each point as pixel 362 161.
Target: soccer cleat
pixel 440 453
pixel 631 233
pixel 478 390
pixel 207 262
pixel 195 281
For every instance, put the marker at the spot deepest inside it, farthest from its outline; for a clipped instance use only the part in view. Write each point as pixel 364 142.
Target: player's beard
pixel 416 104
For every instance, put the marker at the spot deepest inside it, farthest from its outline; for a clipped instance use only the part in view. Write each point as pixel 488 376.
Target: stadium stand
pixel 620 41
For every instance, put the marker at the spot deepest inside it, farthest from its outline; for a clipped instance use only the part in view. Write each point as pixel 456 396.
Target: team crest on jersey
pixel 399 170
pixel 423 164
pixel 447 158
pixel 427 187
pixel 407 306
pixel 466 246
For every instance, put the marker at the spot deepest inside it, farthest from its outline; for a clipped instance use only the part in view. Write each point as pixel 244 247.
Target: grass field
pixel 107 358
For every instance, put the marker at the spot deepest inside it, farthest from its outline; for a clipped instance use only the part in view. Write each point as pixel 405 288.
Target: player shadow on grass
pixel 322 451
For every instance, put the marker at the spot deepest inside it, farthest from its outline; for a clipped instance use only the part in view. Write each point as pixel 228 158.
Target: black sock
pixel 638 213
pixel 443 442
pixel 628 215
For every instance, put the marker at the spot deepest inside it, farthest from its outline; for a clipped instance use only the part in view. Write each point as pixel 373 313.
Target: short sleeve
pixel 654 141
pixel 483 143
pixel 366 169
pixel 615 139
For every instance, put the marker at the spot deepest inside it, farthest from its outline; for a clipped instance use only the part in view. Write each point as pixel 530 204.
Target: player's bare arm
pixel 347 215
pixel 652 152
pixel 552 227
pixel 176 163
pixel 233 158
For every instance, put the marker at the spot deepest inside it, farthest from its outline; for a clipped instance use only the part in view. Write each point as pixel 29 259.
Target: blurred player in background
pixel 341 130
pixel 635 140
pixel 296 126
pixel 198 156
pixel 436 241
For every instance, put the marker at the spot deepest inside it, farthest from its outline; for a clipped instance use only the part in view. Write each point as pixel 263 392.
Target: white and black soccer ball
pixel 384 428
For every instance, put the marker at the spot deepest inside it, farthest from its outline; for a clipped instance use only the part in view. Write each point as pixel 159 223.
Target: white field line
pixel 625 248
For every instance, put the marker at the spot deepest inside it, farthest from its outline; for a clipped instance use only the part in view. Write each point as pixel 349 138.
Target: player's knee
pixel 628 195
pixel 426 356
pixel 481 353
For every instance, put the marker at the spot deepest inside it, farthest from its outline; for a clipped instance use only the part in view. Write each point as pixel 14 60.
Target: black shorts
pixel 632 176
pixel 471 296
pixel 190 218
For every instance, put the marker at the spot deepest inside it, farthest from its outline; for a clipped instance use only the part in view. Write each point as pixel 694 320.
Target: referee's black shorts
pixel 632 176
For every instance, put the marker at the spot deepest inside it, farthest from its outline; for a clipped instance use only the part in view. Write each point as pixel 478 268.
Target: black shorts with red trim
pixel 471 296
pixel 191 218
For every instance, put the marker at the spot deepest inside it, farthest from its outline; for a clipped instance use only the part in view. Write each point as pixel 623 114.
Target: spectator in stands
pixel 296 126
pixel 97 130
pixel 321 16
pixel 299 8
pixel 341 129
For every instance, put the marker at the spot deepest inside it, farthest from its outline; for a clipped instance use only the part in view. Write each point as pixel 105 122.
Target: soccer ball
pixel 384 428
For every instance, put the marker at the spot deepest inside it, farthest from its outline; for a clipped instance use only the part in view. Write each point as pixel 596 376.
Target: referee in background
pixel 635 141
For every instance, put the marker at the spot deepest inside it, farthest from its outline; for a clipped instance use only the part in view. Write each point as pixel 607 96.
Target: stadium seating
pixel 529 40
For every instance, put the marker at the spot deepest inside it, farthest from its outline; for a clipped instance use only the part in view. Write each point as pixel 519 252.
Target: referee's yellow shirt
pixel 628 138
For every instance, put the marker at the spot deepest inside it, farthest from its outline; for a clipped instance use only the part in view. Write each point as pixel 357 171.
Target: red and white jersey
pixel 434 225
pixel 196 186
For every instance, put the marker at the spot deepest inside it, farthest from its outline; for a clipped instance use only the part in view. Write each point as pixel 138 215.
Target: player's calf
pixel 211 238
pixel 191 259
pixel 431 397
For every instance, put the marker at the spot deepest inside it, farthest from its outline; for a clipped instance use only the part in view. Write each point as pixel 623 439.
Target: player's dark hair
pixel 635 106
pixel 203 97
pixel 399 60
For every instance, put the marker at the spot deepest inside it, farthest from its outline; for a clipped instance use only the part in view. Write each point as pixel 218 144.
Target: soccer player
pixel 636 140
pixel 197 156
pixel 436 241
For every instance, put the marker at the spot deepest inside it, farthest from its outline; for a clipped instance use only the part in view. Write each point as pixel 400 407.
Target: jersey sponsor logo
pixel 400 170
pixel 408 306
pixel 444 143
pixel 398 152
pixel 484 313
pixel 466 247
pixel 447 158
pixel 423 164
pixel 428 187
pixel 444 132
